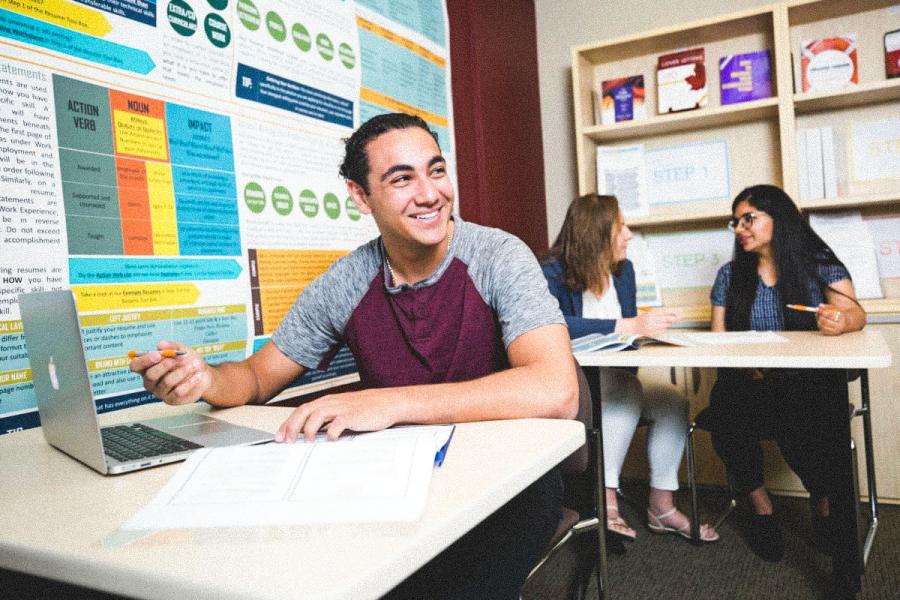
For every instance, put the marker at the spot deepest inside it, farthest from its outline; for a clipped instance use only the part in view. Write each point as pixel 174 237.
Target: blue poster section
pixel 341 364
pixel 423 16
pixel 265 88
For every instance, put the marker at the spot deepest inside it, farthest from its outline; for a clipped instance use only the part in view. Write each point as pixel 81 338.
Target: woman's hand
pixel 830 320
pixel 648 322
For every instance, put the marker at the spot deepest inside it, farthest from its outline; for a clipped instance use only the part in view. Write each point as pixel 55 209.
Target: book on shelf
pixel 892 53
pixel 745 77
pixel 622 100
pixel 817 163
pixel 681 81
pixel 829 63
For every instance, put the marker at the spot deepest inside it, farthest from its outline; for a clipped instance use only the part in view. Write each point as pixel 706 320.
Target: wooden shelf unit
pixel 762 134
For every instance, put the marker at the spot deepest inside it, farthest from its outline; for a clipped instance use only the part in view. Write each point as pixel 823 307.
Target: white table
pixel 862 350
pixel 60 519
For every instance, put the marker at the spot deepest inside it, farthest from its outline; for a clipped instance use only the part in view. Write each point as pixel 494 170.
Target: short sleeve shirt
pixel 453 326
pixel 766 313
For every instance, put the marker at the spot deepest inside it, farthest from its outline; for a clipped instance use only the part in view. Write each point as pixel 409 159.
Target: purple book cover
pixel 745 77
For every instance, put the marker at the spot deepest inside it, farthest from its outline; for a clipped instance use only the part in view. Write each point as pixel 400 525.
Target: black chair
pixel 583 516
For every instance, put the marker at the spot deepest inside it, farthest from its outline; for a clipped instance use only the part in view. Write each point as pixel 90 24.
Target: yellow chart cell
pixel 124 297
pixel 293 267
pixel 140 135
pixel 124 318
pixel 395 105
pixel 208 311
pixel 161 190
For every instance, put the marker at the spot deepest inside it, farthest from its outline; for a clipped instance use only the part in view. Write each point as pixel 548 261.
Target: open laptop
pixel 68 412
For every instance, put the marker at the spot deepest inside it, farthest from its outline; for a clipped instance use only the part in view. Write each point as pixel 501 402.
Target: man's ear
pixel 359 196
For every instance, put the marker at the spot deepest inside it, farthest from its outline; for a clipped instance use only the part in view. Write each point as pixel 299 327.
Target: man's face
pixel 410 193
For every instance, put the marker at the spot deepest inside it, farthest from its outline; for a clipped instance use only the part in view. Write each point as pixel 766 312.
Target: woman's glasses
pixel 745 220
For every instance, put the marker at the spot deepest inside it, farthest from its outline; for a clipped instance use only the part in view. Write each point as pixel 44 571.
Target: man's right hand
pixel 178 380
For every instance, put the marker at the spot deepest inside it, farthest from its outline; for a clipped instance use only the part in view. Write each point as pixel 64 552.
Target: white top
pixel 601 307
pixel 60 519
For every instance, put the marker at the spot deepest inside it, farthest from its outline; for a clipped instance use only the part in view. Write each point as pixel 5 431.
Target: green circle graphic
pixel 348 57
pixel 332 205
pixel 275 26
pixel 301 37
pixel 248 14
pixel 282 201
pixel 325 46
pixel 217 30
pixel 309 204
pixel 182 17
pixel 352 210
pixel 254 197
pixel 218 4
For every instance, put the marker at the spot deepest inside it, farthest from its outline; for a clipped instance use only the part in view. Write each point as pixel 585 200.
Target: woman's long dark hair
pixel 585 242
pixel 797 251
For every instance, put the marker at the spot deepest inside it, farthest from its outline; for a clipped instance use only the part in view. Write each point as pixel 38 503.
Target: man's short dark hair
pixel 356 159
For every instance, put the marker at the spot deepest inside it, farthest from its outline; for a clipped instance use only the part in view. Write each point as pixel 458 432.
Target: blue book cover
pixel 745 77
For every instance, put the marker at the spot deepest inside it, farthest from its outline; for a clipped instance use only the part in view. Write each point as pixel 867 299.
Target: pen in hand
pixel 132 354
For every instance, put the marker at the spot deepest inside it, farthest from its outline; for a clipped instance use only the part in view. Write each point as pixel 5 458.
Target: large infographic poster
pixel 174 163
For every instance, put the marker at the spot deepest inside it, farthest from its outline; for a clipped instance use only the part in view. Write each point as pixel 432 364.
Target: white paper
pixel 829 163
pixel 620 172
pixel 885 233
pixel 719 338
pixel 875 147
pixel 802 167
pixel 690 259
pixel 814 163
pixel 688 173
pixel 851 241
pixel 646 283
pixel 363 478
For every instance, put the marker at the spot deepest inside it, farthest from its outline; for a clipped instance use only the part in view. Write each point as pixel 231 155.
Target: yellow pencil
pixel 165 353
pixel 802 307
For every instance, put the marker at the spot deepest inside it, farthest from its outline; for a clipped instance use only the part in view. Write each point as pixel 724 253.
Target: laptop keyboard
pixel 136 441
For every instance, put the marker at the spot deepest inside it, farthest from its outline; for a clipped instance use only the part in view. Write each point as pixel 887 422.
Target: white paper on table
pixel 885 233
pixel 875 150
pixel 688 173
pixel 690 259
pixel 361 478
pixel 717 338
pixel 851 241
pixel 646 283
pixel 620 172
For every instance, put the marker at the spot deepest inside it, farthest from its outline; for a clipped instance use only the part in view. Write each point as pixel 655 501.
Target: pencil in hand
pixel 168 353
pixel 802 307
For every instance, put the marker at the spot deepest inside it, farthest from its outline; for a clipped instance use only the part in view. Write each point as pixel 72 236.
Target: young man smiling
pixel 447 322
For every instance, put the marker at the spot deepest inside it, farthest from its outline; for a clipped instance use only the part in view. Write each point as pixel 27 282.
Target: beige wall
pixel 562 24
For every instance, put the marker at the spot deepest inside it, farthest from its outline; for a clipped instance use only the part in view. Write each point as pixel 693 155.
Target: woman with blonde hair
pixel 588 273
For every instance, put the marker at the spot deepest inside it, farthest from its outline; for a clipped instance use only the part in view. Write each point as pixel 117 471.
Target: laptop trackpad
pixel 207 431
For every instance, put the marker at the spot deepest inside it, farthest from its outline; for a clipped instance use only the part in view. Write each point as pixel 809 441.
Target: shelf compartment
pixel 858 95
pixel 850 202
pixel 682 213
pixel 757 110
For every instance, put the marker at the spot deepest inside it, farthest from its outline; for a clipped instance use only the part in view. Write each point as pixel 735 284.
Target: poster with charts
pixel 175 164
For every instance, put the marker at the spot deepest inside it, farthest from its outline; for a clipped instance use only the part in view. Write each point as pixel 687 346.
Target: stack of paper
pixel 382 476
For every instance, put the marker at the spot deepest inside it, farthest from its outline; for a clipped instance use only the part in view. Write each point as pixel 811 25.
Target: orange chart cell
pixel 134 207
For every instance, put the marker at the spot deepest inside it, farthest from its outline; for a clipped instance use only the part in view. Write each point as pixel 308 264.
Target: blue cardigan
pixel 570 302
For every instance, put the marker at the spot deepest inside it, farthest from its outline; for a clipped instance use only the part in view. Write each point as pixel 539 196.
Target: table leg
pixel 870 465
pixel 593 376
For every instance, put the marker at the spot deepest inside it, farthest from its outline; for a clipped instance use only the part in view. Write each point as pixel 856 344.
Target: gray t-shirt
pixel 453 326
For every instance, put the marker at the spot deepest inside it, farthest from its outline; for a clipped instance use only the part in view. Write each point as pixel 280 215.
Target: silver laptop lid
pixel 60 376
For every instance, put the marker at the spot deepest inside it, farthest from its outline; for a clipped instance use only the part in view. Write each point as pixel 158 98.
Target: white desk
pixel 59 519
pixel 804 350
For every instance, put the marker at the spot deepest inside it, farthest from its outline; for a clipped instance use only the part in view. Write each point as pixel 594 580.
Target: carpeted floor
pixel 667 567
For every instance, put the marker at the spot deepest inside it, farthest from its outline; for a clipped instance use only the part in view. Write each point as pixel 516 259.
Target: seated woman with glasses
pixel 783 277
pixel 588 273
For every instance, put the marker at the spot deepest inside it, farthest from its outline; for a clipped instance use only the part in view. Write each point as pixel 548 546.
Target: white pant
pixel 623 403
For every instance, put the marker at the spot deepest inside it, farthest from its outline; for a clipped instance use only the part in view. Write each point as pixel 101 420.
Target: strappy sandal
pixel 617 525
pixel 656 525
